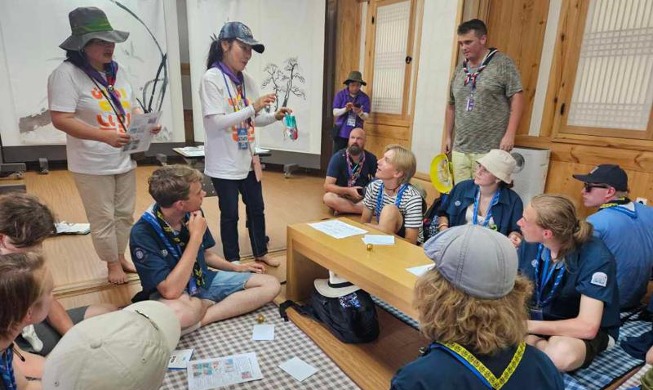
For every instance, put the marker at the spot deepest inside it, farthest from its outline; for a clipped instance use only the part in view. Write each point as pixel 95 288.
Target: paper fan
pixel 441 174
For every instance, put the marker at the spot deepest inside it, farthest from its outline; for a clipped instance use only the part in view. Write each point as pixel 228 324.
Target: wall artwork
pixel 31 31
pixel 291 65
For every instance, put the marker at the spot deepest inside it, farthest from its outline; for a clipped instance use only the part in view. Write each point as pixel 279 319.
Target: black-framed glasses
pixel 587 187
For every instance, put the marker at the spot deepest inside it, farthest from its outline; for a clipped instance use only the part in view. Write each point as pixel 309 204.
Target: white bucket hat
pixel 335 286
pixel 127 349
pixel 499 163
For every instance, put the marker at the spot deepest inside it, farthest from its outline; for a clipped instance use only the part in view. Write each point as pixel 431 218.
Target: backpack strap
pixel 301 309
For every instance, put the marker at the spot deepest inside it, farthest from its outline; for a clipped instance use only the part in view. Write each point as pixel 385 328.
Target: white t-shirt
pixel 223 158
pixel 72 90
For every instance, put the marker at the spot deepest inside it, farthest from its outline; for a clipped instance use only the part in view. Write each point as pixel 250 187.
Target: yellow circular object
pixel 441 174
pixel 260 319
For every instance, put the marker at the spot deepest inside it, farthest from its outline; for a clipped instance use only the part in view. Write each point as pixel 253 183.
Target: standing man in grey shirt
pixel 486 101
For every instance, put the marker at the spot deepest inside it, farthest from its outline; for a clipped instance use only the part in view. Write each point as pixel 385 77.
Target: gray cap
pixel 238 30
pixel 476 260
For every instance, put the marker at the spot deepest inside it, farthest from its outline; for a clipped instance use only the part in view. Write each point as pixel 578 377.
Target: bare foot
pixel 126 265
pixel 272 262
pixel 116 274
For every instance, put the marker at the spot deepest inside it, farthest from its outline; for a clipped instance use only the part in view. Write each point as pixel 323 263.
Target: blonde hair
pixel 558 214
pixel 484 326
pixel 403 160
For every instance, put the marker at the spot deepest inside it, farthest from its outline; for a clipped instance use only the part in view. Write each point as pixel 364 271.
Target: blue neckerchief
pixel 488 215
pixel 7 369
pixel 174 248
pixel 542 281
pixel 237 79
pixel 379 199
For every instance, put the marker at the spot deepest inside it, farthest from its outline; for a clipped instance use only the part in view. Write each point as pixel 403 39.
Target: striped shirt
pixel 410 205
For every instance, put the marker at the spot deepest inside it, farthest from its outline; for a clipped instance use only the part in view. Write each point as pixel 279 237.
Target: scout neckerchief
pixel 379 199
pixel 109 92
pixel 470 77
pixel 548 269
pixel 479 369
pixel 241 134
pixel 354 170
pixel 7 369
pixel 617 205
pixel 488 214
pixel 175 244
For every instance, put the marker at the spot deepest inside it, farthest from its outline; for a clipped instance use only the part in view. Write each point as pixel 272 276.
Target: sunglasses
pixel 588 186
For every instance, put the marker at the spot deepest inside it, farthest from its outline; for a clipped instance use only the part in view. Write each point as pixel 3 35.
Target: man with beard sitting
pixel 349 171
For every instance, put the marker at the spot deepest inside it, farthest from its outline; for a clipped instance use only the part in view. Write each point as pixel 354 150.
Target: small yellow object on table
pixel 260 319
pixel 369 247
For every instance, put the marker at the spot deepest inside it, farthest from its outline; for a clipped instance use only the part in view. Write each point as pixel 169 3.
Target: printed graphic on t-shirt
pixel 238 103
pixel 107 120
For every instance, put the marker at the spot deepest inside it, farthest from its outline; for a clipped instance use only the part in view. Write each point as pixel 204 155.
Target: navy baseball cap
pixel 237 30
pixel 609 174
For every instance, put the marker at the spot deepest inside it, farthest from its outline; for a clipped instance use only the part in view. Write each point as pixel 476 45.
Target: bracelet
pixel 443 224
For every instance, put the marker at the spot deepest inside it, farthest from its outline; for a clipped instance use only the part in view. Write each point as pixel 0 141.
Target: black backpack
pixel 351 318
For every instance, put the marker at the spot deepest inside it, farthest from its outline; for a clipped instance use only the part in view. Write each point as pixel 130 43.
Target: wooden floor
pixel 80 277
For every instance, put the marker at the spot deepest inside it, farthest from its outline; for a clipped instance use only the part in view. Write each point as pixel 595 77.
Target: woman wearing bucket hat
pixel 486 200
pixel 231 108
pixel 91 100
pixel 351 107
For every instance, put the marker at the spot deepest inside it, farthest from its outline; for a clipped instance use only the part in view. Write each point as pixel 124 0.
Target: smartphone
pixel 357 105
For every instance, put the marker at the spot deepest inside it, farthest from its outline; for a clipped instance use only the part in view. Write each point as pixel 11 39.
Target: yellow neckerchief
pixel 469 360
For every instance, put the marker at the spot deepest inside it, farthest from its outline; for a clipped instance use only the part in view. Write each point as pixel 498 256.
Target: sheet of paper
pixel 64 227
pixel 140 131
pixel 223 371
pixel 179 359
pixel 298 368
pixel 263 332
pixel 420 269
pixel 191 151
pixel 337 229
pixel 379 239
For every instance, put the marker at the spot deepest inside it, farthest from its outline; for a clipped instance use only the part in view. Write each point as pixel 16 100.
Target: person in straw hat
pixel 472 305
pixel 486 200
pixel 351 107
pixel 92 101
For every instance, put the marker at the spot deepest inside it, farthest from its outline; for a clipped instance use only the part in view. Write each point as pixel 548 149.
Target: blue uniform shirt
pixel 339 169
pixel 505 213
pixel 591 271
pixel 439 370
pixel 153 261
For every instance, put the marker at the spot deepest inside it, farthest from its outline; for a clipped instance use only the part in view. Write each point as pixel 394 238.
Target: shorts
pixel 595 346
pixel 224 284
pixel 48 335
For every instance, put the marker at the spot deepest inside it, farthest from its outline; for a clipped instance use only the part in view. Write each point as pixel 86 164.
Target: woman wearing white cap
pixel 486 200
pixel 232 108
pixel 91 100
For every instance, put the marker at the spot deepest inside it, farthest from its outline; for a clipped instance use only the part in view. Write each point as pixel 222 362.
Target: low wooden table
pixel 380 271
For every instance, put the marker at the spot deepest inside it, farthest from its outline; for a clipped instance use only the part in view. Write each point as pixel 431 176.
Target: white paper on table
pixel 379 239
pixel 224 371
pixel 140 131
pixel 263 332
pixel 298 368
pixel 179 358
pixel 420 269
pixel 191 151
pixel 337 229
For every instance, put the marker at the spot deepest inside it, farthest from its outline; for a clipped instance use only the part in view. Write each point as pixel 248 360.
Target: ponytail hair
pixel 215 51
pixel 558 214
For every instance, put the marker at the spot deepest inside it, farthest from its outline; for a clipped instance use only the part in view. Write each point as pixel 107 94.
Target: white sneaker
pixel 29 334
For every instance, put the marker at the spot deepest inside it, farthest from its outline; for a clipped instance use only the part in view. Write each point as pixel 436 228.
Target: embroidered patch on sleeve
pixel 599 279
pixel 139 254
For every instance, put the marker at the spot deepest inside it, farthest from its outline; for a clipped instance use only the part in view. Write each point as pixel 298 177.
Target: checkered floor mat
pixel 234 336
pixel 608 366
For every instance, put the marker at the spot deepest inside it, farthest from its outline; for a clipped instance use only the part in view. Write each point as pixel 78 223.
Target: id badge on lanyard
pixel 470 102
pixel 243 140
pixel 351 119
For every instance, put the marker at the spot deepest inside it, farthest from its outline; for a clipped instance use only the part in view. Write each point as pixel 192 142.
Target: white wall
pixel 438 33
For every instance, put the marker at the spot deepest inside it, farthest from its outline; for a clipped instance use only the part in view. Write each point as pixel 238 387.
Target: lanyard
pixel 174 245
pixel 239 88
pixel 547 274
pixel 354 170
pixel 7 370
pixel 111 94
pixel 379 199
pixel 618 205
pixel 472 76
pixel 488 215
pixel 479 369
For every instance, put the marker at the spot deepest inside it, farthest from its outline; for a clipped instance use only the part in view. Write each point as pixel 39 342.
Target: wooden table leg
pixel 300 272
